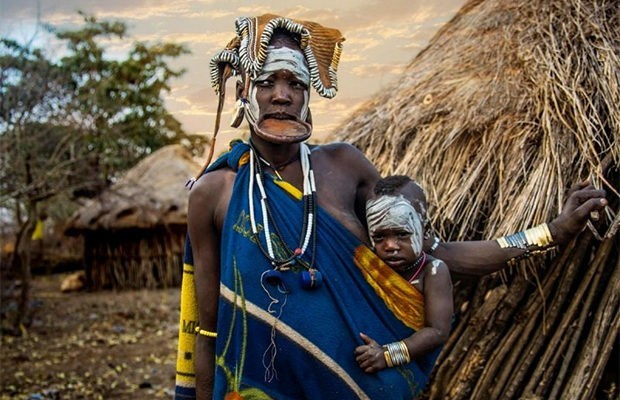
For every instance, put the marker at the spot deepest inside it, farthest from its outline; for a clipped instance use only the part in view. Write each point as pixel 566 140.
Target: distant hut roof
pixel 511 103
pixel 150 194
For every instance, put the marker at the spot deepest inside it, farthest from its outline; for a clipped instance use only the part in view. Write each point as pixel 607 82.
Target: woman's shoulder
pixel 211 185
pixel 346 156
pixel 337 149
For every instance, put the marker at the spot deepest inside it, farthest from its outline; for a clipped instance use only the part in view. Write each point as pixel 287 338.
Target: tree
pixel 70 126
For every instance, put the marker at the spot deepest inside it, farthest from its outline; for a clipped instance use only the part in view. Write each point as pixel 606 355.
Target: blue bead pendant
pixel 310 279
pixel 273 277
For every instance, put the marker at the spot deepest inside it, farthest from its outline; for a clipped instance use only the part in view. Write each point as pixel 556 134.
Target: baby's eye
pixel 377 238
pixel 403 235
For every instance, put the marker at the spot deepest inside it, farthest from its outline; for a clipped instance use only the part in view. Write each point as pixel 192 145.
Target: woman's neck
pixel 275 154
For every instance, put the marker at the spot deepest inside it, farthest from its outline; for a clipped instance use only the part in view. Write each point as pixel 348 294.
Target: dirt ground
pixel 102 345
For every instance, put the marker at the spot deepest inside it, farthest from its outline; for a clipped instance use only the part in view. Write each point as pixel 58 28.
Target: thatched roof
pixel 511 103
pixel 150 194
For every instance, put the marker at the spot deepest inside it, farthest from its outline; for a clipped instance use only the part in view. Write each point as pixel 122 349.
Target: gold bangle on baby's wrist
pixel 388 359
pixel 396 354
pixel 205 332
pixel 405 351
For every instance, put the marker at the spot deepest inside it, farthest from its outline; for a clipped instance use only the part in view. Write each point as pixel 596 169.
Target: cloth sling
pixel 299 344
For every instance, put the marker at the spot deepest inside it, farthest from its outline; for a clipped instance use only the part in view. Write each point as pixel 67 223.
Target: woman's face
pixel 278 97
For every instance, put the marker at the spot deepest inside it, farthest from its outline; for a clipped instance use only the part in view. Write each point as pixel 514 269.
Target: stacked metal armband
pixel 396 354
pixel 535 241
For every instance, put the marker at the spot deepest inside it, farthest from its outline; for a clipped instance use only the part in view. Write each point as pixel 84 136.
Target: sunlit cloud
pixel 358 46
pixel 378 69
pixel 145 12
pixel 210 39
pixel 380 41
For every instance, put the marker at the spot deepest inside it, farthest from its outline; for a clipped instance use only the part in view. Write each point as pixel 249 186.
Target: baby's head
pixel 396 218
pixel 395 185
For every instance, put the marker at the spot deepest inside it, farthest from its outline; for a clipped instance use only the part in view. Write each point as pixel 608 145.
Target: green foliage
pixel 34 124
pixel 76 123
pixel 68 127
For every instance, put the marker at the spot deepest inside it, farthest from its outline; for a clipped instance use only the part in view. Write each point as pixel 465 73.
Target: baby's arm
pixel 438 307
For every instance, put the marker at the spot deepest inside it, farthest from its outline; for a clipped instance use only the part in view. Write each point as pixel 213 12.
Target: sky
pixel 381 38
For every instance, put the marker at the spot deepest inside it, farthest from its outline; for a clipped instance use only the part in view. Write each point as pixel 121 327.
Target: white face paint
pixel 279 58
pixel 286 58
pixel 395 212
pixel 434 266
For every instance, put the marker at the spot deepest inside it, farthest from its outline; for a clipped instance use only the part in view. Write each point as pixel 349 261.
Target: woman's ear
pixel 239 110
pixel 239 90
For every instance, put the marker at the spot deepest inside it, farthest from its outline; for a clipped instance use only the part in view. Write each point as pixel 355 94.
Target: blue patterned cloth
pixel 298 343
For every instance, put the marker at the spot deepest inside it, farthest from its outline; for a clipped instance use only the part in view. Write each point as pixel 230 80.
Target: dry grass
pixel 513 102
pixel 510 104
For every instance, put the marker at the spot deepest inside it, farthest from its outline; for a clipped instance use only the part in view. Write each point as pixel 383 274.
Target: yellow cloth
pixel 405 301
pixel 38 232
pixel 188 321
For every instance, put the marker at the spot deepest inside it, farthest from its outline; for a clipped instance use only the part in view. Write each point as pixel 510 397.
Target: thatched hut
pixel 511 103
pixel 134 232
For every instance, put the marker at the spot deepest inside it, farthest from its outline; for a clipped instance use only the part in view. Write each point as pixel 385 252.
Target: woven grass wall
pixel 134 258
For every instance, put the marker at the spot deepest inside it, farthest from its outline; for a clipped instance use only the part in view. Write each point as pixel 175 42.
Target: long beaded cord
pixel 308 231
pixel 309 221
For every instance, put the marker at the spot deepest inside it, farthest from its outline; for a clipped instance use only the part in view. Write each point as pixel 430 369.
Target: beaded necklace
pixel 279 167
pixel 310 278
pixel 418 264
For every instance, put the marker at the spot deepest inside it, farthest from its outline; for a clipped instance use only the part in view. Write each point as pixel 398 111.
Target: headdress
pixel 245 54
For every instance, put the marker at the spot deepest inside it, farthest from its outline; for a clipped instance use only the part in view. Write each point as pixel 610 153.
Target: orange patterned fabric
pixel 405 301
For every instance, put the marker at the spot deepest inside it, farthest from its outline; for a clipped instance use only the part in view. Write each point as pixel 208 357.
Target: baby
pixel 397 223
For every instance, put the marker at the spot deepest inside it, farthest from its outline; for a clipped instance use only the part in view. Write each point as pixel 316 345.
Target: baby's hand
pixel 370 356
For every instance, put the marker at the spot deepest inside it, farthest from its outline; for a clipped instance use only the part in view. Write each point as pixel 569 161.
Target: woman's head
pixel 277 96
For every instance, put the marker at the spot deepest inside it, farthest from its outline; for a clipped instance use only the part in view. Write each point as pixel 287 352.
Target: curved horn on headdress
pixel 226 73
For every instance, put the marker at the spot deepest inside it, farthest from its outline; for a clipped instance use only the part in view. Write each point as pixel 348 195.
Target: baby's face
pixel 395 229
pixel 395 247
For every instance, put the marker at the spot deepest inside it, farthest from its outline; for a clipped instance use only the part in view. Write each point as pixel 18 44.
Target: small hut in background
pixel 512 103
pixel 134 232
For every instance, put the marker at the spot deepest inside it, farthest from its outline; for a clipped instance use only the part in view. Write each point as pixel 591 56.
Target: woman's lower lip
pixel 284 127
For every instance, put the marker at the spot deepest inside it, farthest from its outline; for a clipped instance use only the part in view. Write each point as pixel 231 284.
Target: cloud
pixel 377 69
pixel 381 38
